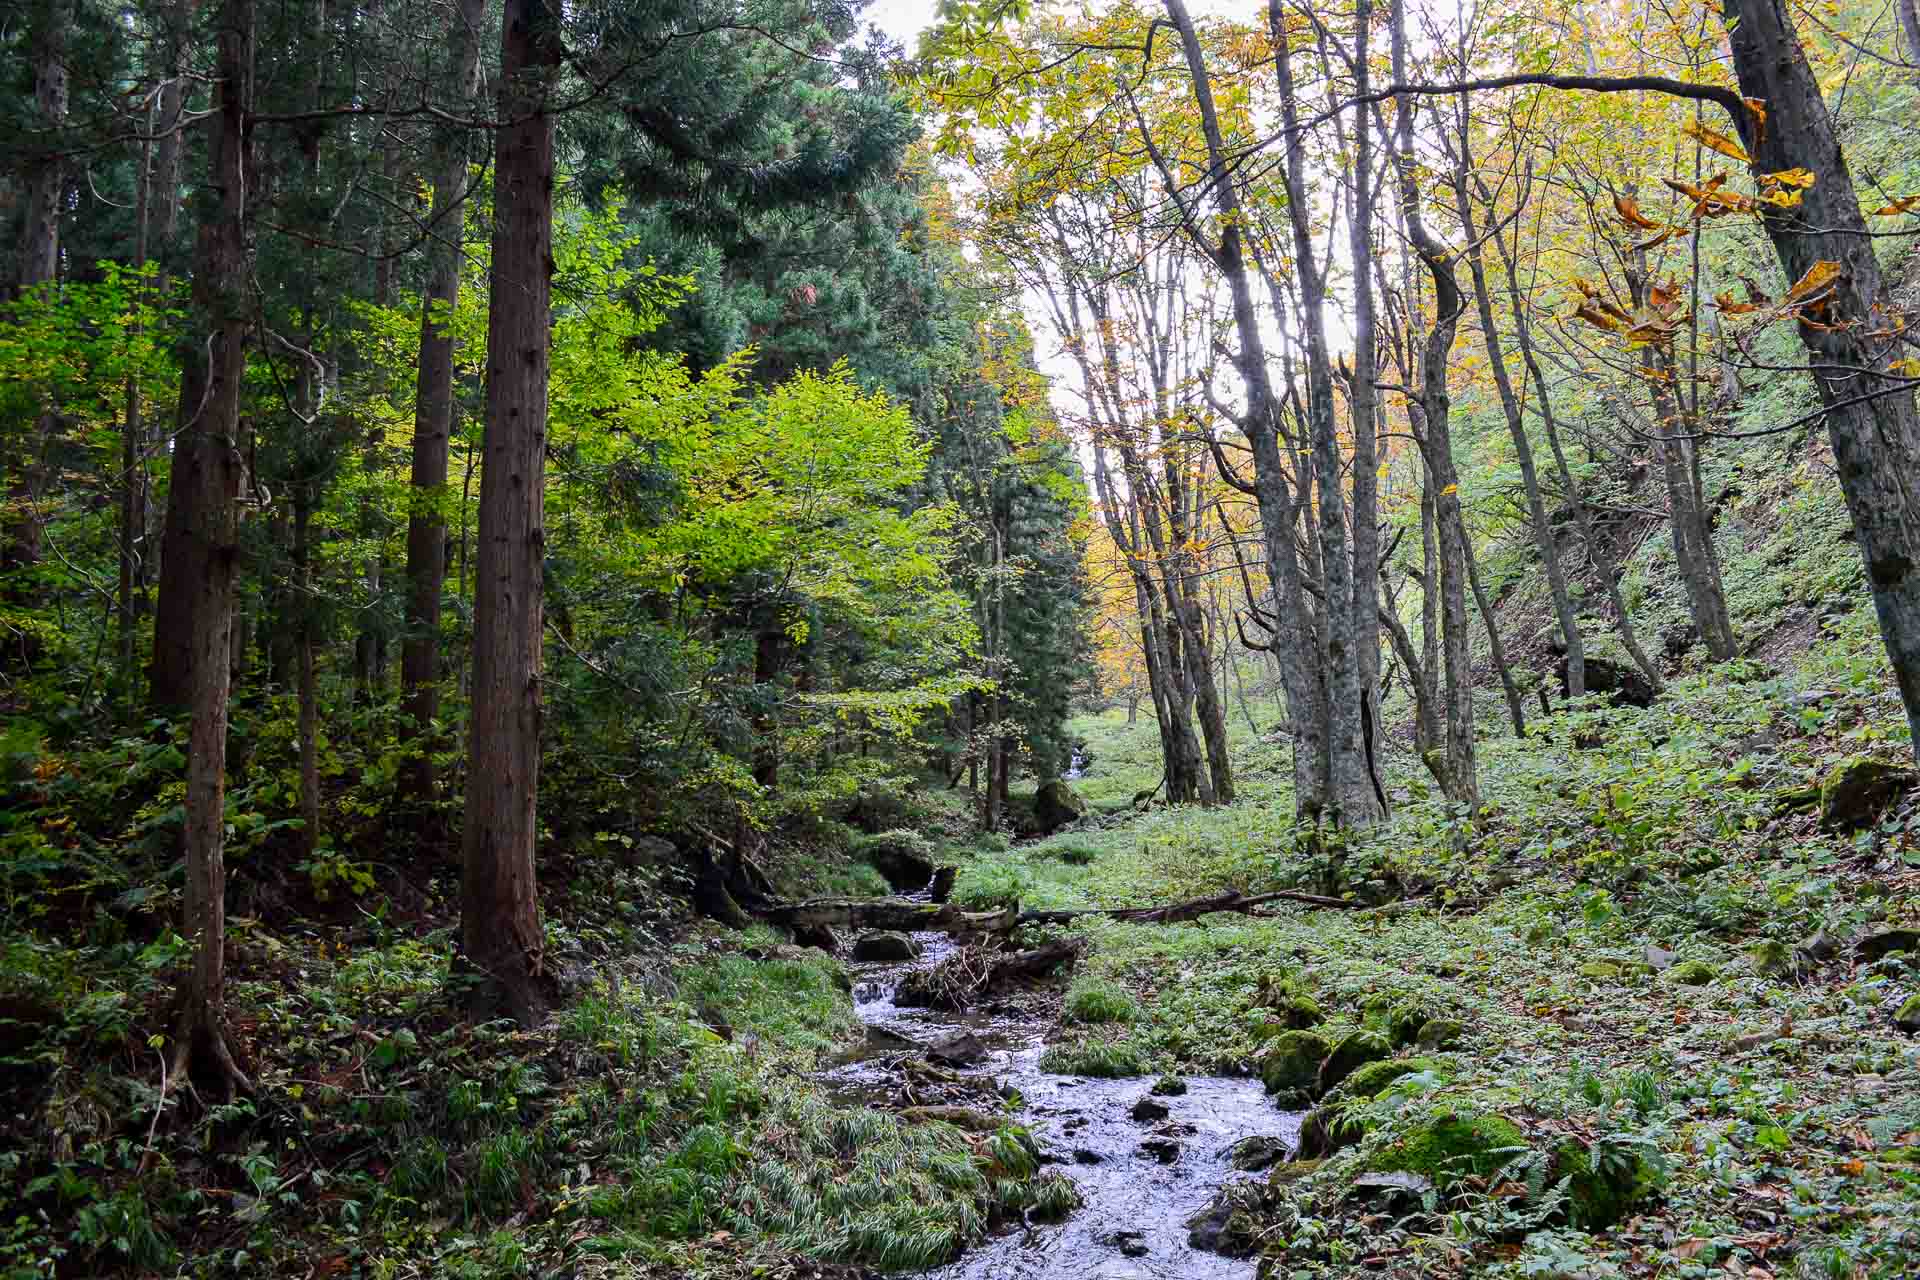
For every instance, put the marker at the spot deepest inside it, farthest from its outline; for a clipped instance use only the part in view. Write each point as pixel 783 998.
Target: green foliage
pixel 1092 1001
pixel 1104 1059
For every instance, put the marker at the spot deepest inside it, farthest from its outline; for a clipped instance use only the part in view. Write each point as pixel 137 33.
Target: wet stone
pixel 1148 1110
pixel 1165 1150
pixel 1250 1155
pixel 961 1050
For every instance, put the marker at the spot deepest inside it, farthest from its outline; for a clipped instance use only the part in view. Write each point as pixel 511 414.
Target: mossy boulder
pixel 1291 1063
pixel 1438 1033
pixel 1371 1080
pixel 1399 1020
pixel 1055 805
pixel 1771 958
pixel 1908 1018
pixel 1298 1012
pixel 1854 794
pixel 1285 1175
pixel 1692 973
pixel 1355 1050
pixel 1326 1129
pixel 1450 1143
pixel 1604 1184
pixel 905 859
pixel 1601 971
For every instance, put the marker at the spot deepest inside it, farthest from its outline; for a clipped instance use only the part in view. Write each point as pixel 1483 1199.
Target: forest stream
pixel 1140 1179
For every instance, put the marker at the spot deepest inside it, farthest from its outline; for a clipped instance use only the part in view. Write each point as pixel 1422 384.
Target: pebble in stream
pixel 1140 1179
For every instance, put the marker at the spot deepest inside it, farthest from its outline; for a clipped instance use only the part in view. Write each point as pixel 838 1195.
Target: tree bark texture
pixel 433 424
pixel 1876 442
pixel 501 934
pixel 212 508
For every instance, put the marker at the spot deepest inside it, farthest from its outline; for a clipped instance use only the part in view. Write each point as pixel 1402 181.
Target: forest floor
pixel 1650 1015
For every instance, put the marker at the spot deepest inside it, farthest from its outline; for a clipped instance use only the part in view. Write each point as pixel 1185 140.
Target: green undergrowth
pixel 1649 1061
pixel 662 1123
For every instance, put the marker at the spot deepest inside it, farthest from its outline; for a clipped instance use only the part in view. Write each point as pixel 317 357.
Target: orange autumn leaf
pixel 1629 211
pixel 1819 276
pixel 1899 206
pixel 1757 108
pixel 1714 141
pixel 1729 307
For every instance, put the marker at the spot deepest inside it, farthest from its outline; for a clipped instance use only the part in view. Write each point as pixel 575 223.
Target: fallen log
pixel 1193 908
pixel 903 914
pixel 959 1117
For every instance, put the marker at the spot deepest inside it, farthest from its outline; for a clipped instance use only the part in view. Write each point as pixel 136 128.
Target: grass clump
pixel 988 886
pixel 1091 1001
pixel 1106 1059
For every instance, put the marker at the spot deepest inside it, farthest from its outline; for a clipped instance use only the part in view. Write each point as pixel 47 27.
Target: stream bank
pixel 1146 1156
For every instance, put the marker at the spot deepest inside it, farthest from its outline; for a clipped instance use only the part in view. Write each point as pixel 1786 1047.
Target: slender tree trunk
pixel 501 932
pixel 220 289
pixel 1603 558
pixel 1433 431
pixel 1522 448
pixel 1910 27
pixel 39 265
pixel 1692 531
pixel 1296 647
pixel 1350 779
pixel 309 713
pixel 1363 408
pixel 1496 646
pixel 433 428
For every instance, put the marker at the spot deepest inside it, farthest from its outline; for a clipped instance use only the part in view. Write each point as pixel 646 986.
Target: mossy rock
pixel 1601 971
pixel 1056 804
pixel 1372 1079
pixel 1451 1143
pixel 1285 1175
pixel 1292 1061
pixel 1398 1020
pixel 1908 1019
pixel 1692 973
pixel 1299 1012
pixel 1854 794
pixel 1326 1129
pixel 1771 958
pixel 1438 1033
pixel 1355 1050
pixel 1598 1197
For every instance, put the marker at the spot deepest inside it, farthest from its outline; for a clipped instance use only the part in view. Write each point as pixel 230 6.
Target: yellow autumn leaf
pixel 1450 490
pixel 1819 276
pixel 1801 178
pixel 1907 368
pixel 1714 141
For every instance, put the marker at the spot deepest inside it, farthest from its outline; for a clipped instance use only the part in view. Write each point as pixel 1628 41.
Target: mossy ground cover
pixel 1647 1088
pixel 663 1124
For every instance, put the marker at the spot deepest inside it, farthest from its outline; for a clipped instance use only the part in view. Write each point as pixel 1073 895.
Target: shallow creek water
pixel 1139 1180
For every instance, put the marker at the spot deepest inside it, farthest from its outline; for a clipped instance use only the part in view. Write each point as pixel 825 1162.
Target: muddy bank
pixel 1145 1163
